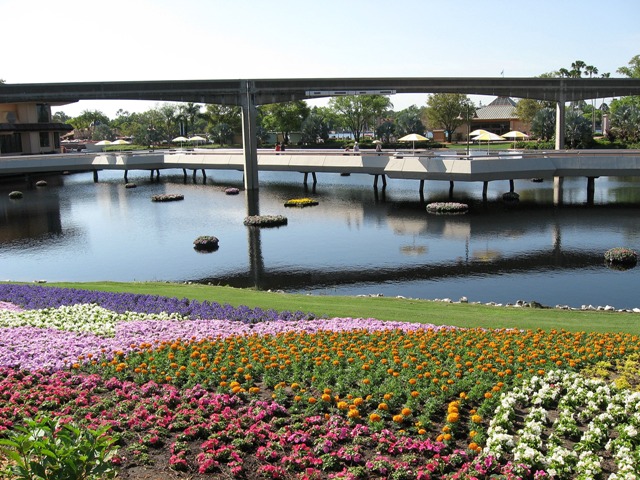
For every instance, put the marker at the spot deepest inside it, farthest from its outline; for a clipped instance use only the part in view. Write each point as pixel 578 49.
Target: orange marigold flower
pixel 406 411
pixel 398 418
pixel 453 417
pixel 343 405
pixel 326 397
pixel 383 406
pixel 476 418
pixel 374 417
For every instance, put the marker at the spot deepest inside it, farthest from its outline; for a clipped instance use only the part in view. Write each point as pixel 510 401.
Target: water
pixel 356 241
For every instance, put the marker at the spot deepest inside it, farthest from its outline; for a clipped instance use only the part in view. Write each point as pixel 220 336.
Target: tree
pixel 85 123
pixel 357 112
pixel 59 117
pixel 526 109
pixel 578 133
pixel 543 125
pixel 102 132
pixel 447 111
pixel 285 117
pixel 221 133
pixel 223 122
pixel 317 125
pixel 386 130
pixel 633 69
pixel 409 121
pixel 625 120
pixel 187 114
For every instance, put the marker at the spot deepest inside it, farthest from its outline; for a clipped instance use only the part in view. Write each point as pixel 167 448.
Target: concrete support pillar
pixel 557 190
pixel 126 176
pixel 249 137
pixel 560 122
pixel 485 187
pixel 421 188
pixel 511 186
pixel 95 176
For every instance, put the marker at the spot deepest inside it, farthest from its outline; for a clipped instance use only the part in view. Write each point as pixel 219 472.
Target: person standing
pixel 356 148
pixel 282 147
pixel 277 147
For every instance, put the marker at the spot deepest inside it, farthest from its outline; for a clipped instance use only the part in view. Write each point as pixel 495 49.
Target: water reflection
pixel 357 240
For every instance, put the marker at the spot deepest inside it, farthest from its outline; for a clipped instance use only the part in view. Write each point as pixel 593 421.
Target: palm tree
pixel 188 114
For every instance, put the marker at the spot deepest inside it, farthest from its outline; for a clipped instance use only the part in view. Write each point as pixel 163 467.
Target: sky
pixel 120 40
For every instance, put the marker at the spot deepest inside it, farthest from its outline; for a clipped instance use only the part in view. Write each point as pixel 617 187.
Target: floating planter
pixel 537 180
pixel 621 258
pixel 167 197
pixel 41 183
pixel 130 185
pixel 15 194
pixel 232 191
pixel 510 197
pixel 448 208
pixel 205 243
pixel 265 220
pixel 300 202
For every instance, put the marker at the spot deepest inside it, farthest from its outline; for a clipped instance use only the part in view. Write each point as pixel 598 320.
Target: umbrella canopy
pixel 120 142
pixel 180 139
pixel 377 141
pixel 477 132
pixel 197 138
pixel 515 134
pixel 104 142
pixel 488 137
pixel 413 137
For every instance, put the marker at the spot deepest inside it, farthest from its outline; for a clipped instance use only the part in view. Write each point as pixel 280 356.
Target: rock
pixel 464 300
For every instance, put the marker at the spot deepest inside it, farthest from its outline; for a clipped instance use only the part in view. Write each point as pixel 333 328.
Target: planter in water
pixel 206 243
pixel 41 183
pixel 447 208
pixel 232 191
pixel 300 202
pixel 130 185
pixel 15 194
pixel 510 197
pixel 167 197
pixel 621 258
pixel 265 220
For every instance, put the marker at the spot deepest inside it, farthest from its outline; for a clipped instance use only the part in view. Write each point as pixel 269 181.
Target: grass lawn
pixel 382 308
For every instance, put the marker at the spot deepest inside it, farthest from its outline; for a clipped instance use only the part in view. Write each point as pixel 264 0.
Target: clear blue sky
pixel 115 40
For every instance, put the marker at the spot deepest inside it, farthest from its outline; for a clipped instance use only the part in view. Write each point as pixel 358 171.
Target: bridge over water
pixel 248 94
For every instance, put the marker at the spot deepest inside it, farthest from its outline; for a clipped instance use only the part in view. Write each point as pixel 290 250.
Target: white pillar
pixel 249 137
pixel 560 124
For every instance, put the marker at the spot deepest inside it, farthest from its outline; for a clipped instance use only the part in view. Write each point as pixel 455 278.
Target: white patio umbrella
pixel 488 137
pixel 197 138
pixel 515 135
pixel 413 137
pixel 104 142
pixel 120 142
pixel 475 133
pixel 180 139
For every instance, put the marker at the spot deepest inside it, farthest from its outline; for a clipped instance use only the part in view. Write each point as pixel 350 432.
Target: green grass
pixel 422 311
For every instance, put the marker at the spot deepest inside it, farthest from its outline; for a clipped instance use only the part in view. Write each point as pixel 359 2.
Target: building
pixel 26 128
pixel 498 117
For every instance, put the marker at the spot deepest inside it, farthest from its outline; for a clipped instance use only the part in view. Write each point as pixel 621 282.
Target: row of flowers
pixel 337 398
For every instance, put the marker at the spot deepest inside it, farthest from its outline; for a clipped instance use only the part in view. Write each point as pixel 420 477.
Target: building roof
pixel 500 108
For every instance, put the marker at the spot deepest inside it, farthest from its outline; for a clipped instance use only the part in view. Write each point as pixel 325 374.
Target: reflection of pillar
pixel 560 122
pixel 557 243
pixel 249 136
pixel 557 190
pixel 256 263
pixel 591 187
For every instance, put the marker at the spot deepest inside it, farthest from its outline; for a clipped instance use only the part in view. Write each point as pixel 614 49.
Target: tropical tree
pixel 625 120
pixel 169 118
pixel 358 112
pixel 543 125
pixel 447 111
pixel 285 117
pixel 633 68
pixel 386 130
pixel 221 133
pixel 408 121
pixel 223 122
pixel 187 115
pixel 102 132
pixel 578 133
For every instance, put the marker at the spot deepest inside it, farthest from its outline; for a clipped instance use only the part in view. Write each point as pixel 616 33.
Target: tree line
pixel 357 114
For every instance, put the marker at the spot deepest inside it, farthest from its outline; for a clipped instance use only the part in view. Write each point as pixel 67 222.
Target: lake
pixel 357 241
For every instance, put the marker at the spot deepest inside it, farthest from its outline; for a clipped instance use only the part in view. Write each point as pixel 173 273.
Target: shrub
pixel 48 448
pixel 207 243
pixel 15 194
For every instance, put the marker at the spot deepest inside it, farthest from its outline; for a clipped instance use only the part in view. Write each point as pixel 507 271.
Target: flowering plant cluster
pixel 300 202
pixel 167 197
pixel 15 194
pixel 232 191
pixel 305 398
pixel 620 255
pixel 206 242
pixel 447 208
pixel 265 220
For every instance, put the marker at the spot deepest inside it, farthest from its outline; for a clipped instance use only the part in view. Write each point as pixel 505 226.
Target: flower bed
pixel 206 243
pixel 300 202
pixel 15 194
pixel 41 183
pixel 130 185
pixel 167 197
pixel 182 386
pixel 444 208
pixel 232 191
pixel 621 256
pixel 265 220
